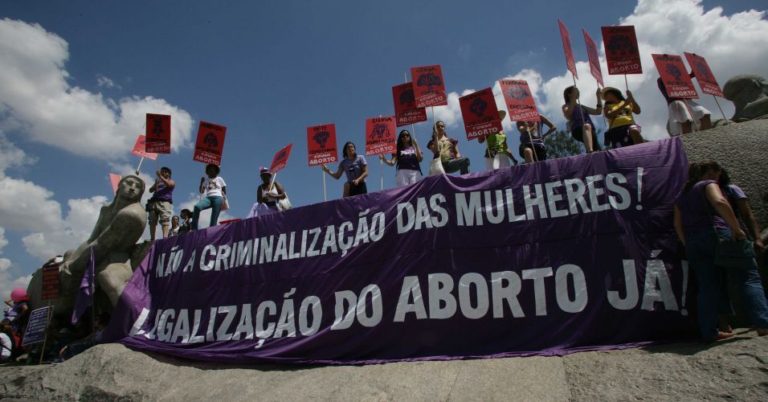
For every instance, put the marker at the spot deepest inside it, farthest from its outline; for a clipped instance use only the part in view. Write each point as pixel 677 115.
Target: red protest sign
pixel 50 285
pixel 210 143
pixel 380 135
pixel 114 180
pixel 480 114
pixel 139 148
pixel 621 50
pixel 594 58
pixel 428 86
pixel 566 38
pixel 406 111
pixel 281 159
pixel 674 76
pixel 703 74
pixel 321 144
pixel 158 133
pixel 519 100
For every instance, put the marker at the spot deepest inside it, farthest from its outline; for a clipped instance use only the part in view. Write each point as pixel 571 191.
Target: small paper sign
pixel 704 75
pixel 621 50
pixel 675 76
pixel 321 144
pixel 480 114
pixel 519 100
pixel 380 137
pixel 210 143
pixel 428 86
pixel 158 133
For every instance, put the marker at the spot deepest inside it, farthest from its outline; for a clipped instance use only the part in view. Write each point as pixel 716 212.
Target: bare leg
pixel 705 123
pixel 528 155
pixel 165 231
pixel 636 137
pixel 152 228
pixel 587 138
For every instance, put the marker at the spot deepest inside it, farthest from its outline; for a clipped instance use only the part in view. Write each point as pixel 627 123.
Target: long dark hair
pixel 698 170
pixel 401 141
pixel 344 150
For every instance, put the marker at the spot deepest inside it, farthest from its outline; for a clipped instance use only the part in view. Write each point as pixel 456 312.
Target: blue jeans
pixel 746 282
pixel 214 203
pixel 700 249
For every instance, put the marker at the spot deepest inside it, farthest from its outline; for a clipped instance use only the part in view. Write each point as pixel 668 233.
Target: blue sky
pixel 269 69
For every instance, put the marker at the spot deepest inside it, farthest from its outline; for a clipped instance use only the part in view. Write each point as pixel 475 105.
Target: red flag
pixel 480 114
pixel 428 86
pixel 158 133
pixel 594 58
pixel 139 148
pixel 380 135
pixel 210 143
pixel 703 74
pixel 321 144
pixel 114 180
pixel 566 38
pixel 675 76
pixel 519 100
pixel 406 111
pixel 621 50
pixel 281 159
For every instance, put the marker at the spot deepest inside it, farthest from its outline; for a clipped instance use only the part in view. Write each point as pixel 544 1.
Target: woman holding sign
pixel 215 190
pixel 270 192
pixel 622 129
pixel 532 146
pixel 579 122
pixel 356 169
pixel 497 153
pixel 448 148
pixel 406 160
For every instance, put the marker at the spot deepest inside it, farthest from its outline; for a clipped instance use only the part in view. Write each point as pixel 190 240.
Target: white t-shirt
pixel 213 186
pixel 5 349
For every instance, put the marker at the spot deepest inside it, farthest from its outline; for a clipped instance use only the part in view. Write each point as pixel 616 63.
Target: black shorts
pixel 357 189
pixel 618 137
pixel 539 149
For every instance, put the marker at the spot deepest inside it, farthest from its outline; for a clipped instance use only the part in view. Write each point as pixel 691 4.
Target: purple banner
pixel 570 254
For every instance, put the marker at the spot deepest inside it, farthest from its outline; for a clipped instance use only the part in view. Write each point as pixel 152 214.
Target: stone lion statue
pixel 119 226
pixel 749 94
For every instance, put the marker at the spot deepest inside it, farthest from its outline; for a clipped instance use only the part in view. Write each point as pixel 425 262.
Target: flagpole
pixel 725 119
pixel 138 168
pixel 325 194
pixel 581 113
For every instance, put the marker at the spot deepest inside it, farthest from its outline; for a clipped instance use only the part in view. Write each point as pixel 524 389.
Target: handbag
pixel 284 204
pixel 734 253
pixel 225 204
pixel 436 167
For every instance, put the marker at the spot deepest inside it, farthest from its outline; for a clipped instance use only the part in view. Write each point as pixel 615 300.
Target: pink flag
pixel 594 59
pixel 566 37
pixel 114 179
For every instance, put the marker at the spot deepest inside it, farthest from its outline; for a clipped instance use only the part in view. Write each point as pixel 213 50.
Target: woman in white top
pixel 215 189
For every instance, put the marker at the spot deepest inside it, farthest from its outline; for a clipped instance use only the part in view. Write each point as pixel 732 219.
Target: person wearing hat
pixel 497 153
pixel 269 191
pixel 214 189
pixel 622 129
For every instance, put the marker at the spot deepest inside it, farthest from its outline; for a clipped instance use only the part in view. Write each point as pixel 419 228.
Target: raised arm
pixel 388 162
pixel 545 121
pixel 633 102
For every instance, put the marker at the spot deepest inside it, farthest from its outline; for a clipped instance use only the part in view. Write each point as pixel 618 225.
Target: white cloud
pixel 732 44
pixel 11 156
pixel 105 82
pixel 67 232
pixel 3 240
pixel 7 282
pixel 27 206
pixel 36 97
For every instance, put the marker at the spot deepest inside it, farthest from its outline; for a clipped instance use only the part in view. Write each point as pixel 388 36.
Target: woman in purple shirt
pixel 356 169
pixel 695 211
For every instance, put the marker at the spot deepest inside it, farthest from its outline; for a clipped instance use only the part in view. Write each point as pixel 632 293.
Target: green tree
pixel 560 144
